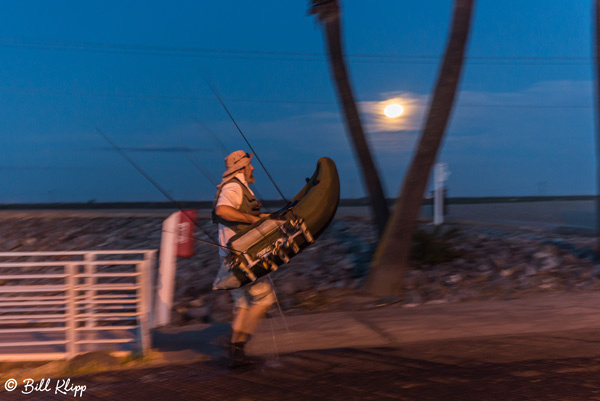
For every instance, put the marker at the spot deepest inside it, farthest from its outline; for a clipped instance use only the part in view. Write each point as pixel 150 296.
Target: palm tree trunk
pixel 597 65
pixel 328 11
pixel 392 256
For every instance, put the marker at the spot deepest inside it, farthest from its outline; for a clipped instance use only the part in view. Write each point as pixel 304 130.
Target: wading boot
pixel 238 357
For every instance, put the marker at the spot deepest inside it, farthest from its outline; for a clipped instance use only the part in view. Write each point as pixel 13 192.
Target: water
pixel 547 214
pixel 550 214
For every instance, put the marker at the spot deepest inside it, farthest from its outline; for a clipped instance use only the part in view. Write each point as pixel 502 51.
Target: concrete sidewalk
pixel 394 326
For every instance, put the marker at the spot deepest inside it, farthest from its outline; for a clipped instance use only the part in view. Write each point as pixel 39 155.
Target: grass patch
pixel 435 246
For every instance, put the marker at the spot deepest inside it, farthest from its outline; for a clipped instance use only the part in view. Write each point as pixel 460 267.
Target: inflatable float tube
pixel 272 241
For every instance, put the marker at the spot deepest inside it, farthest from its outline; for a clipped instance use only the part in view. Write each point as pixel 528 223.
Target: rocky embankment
pixel 457 263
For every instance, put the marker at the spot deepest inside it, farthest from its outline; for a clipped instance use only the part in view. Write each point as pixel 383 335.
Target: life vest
pixel 249 205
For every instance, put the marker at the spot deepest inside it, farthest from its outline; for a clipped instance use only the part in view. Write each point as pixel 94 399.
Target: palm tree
pixel 328 12
pixel 392 255
pixel 597 48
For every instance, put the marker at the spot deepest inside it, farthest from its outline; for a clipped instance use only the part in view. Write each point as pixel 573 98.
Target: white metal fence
pixel 55 305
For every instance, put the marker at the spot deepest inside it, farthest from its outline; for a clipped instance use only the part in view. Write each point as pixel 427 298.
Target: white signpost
pixel 440 176
pixel 166 272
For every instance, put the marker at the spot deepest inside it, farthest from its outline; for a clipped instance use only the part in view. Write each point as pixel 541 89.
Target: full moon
pixel 393 110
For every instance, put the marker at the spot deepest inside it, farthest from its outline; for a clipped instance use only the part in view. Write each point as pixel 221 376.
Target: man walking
pixel 235 207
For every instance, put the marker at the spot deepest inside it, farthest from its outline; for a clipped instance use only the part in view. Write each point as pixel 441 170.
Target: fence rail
pixel 55 305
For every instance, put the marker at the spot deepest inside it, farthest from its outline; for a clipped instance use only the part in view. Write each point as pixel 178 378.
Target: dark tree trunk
pixel 392 256
pixel 328 11
pixel 597 90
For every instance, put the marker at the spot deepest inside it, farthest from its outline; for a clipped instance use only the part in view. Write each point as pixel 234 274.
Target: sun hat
pixel 236 161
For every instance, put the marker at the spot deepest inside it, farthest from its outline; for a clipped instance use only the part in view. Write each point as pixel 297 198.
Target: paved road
pixel 540 348
pixel 526 367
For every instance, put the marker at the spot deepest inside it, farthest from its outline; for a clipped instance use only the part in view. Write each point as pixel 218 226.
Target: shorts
pixel 258 293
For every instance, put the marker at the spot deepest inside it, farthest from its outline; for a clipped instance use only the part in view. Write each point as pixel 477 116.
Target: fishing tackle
pixel 246 139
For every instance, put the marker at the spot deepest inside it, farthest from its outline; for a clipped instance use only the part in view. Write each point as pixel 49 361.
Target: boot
pixel 237 355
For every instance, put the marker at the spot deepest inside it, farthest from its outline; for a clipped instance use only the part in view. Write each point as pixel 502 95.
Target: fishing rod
pixel 165 193
pixel 187 152
pixel 168 196
pixel 246 139
pixel 188 155
pixel 214 136
pixel 224 151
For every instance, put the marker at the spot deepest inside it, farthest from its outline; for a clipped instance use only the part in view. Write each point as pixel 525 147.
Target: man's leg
pixel 246 320
pixel 252 304
pixel 237 325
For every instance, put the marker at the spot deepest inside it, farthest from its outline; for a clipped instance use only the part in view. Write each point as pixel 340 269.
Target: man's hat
pixel 236 161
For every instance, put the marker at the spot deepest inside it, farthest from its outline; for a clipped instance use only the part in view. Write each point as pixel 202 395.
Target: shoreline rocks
pixel 475 261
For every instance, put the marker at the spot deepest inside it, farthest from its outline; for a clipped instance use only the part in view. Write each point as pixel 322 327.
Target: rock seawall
pixel 488 262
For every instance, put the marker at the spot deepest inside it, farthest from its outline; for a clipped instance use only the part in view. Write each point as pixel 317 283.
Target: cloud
pixel 393 134
pixel 507 142
pixel 540 116
pixel 154 149
pixel 559 95
pixel 478 116
pixel 42 167
pixel 414 108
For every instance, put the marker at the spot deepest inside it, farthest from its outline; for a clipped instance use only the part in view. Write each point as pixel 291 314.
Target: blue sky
pixel 522 125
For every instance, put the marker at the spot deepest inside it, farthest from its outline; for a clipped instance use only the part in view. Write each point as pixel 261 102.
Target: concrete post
pixel 166 272
pixel 440 175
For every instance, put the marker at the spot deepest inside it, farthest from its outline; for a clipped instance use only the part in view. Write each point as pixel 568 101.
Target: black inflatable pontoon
pixel 272 241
